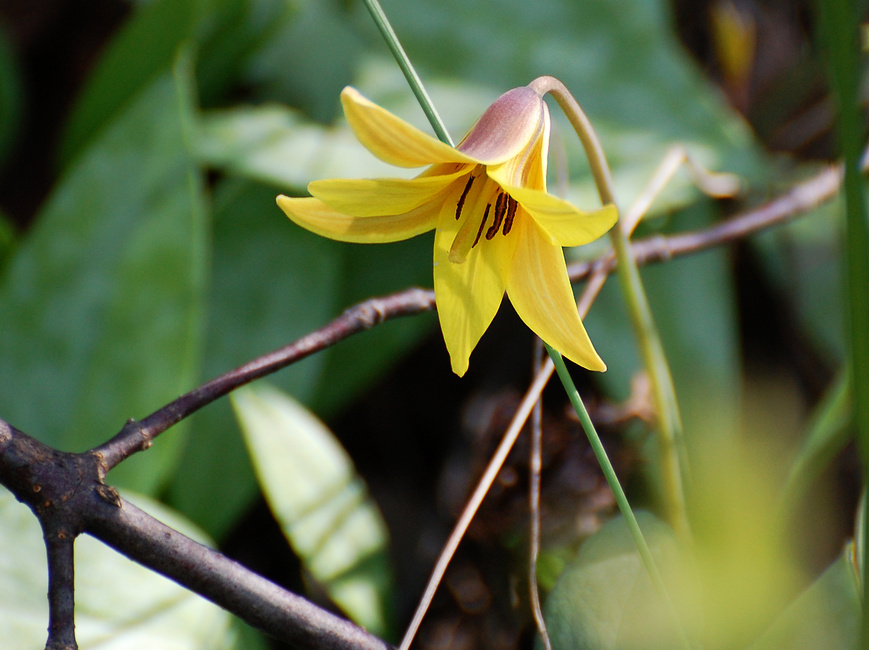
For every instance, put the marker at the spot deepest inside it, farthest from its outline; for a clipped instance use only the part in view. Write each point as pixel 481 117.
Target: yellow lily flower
pixel 496 227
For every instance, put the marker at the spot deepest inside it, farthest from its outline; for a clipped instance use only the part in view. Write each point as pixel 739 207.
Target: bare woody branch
pixel 68 495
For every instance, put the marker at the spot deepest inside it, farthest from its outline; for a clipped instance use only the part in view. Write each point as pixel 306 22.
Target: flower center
pixel 479 191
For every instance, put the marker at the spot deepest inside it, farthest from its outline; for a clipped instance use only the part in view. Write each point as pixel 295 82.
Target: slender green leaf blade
pixel 839 33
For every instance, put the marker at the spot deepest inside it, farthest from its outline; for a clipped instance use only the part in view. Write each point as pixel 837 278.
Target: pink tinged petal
pixel 392 139
pixel 540 292
pixel 368 198
pixel 528 167
pixel 314 215
pixel 469 294
pixel 561 220
pixel 509 126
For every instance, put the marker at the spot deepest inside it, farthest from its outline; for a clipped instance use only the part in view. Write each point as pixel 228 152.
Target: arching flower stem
pixel 673 457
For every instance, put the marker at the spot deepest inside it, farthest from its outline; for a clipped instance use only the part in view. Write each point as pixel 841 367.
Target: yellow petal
pixel 316 216
pixel 540 292
pixel 561 220
pixel 512 123
pixel 392 139
pixel 368 198
pixel 468 294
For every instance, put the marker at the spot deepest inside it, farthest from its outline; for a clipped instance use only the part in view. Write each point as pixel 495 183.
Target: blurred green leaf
pixel 605 599
pixel 322 505
pixel 249 638
pixel 803 263
pixel 826 615
pixel 276 145
pixel 143 49
pixel 222 32
pixel 101 300
pixel 828 432
pixel 120 605
pixel 307 63
pixel 272 283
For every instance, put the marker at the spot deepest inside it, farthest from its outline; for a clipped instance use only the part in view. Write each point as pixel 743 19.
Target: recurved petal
pixel 512 123
pixel 366 198
pixel 540 292
pixel 468 294
pixel 314 215
pixel 565 223
pixel 392 139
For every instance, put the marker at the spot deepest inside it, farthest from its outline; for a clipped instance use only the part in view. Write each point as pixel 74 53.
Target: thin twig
pixel 535 466
pixel 800 199
pixel 138 436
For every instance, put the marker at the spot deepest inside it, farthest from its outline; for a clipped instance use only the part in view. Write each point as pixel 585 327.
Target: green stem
pixel 674 459
pixel 407 68
pixel 839 32
pixel 613 481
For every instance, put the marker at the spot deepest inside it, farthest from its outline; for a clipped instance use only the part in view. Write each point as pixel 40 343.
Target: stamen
pixel 462 243
pixel 483 223
pixel 464 196
pixel 500 208
pixel 511 213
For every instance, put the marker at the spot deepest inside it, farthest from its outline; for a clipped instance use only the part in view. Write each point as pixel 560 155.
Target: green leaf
pixel 249 638
pixel 826 615
pixel 272 283
pixel 829 430
pixel 102 311
pixel 308 61
pixel 276 145
pixel 802 260
pixel 120 605
pixel 322 505
pixel 143 50
pixel 605 599
pixel 224 33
